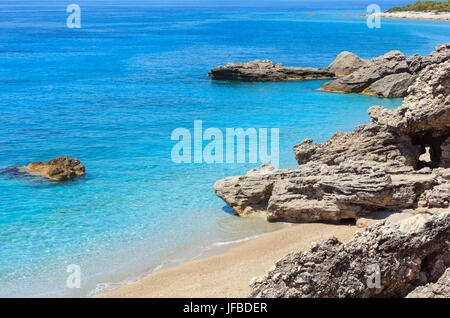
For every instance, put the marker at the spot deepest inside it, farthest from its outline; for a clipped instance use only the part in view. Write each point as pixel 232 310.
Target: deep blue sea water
pixel 112 92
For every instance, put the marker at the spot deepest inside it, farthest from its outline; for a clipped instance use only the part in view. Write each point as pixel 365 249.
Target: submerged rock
pixel 388 259
pixel 376 167
pixel 263 71
pixel 58 169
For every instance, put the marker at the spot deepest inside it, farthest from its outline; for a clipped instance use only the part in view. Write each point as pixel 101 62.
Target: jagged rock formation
pixel 379 166
pixel 58 169
pixel 388 259
pixel 389 75
pixel 440 289
pixel 263 71
pixel 426 109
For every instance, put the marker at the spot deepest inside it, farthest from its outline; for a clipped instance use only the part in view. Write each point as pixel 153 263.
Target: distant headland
pixel 425 6
pixel 420 10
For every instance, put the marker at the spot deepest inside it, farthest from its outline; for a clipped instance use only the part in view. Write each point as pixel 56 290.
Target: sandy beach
pixel 228 274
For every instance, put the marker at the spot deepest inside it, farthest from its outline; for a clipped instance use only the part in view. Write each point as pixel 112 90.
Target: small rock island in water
pixel 58 169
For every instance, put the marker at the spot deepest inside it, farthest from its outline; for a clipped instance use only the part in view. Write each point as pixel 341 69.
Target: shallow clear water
pixel 112 92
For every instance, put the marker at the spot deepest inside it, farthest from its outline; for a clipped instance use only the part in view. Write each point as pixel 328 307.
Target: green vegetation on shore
pixel 424 6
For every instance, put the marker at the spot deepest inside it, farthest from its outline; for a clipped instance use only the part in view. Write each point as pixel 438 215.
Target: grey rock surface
pixel 393 62
pixel 439 289
pixel 264 71
pixel 426 108
pixel 346 63
pixel 395 85
pixel 387 75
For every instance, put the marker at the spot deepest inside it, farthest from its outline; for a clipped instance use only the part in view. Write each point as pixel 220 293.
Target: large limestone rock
pixel 321 192
pixel 367 142
pixel 379 166
pixel 263 71
pixel 389 75
pixel 388 259
pixel 58 169
pixel 425 109
pixel 346 63
pixel 395 85
pixel 391 63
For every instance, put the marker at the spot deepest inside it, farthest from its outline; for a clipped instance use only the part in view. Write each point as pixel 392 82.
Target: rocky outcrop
pixel 388 259
pixel 389 75
pixel 393 62
pixel 398 162
pixel 425 110
pixel 440 289
pixel 395 85
pixel 58 169
pixel 379 166
pixel 321 192
pixel 263 71
pixel 346 63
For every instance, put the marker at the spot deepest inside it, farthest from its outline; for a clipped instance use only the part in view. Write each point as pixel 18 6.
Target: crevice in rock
pixel 432 267
pixel 347 221
pixel 430 149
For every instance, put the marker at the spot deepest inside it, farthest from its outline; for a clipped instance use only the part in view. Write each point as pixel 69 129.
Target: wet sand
pixel 228 274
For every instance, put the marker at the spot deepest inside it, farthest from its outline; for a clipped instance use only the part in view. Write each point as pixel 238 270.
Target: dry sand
pixel 228 274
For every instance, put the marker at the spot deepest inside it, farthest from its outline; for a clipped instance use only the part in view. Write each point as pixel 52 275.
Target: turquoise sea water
pixel 112 92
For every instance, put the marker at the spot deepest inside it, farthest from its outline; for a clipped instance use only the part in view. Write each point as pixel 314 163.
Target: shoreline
pixel 413 15
pixel 182 256
pixel 227 271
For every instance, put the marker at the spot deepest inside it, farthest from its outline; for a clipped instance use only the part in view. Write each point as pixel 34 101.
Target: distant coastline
pixel 426 10
pixel 424 6
pixel 414 15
